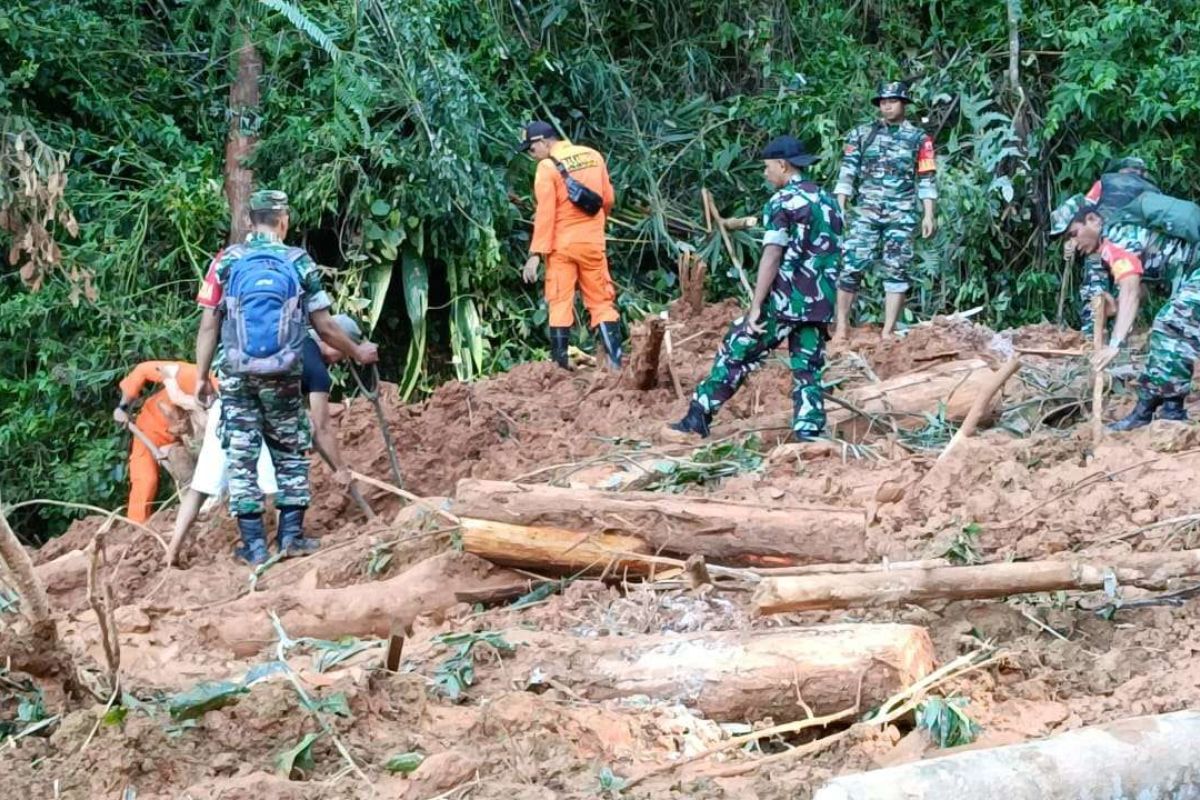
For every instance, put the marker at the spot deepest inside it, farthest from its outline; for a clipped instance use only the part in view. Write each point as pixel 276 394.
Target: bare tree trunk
pixel 243 137
pixel 33 595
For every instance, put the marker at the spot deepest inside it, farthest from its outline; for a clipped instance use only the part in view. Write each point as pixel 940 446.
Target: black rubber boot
pixel 609 336
pixel 290 537
pixel 695 421
pixel 253 549
pixel 1173 410
pixel 1142 415
pixel 560 340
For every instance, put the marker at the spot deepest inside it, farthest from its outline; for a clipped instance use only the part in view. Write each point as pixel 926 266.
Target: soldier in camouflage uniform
pixel 1165 259
pixel 793 297
pixel 1174 339
pixel 258 409
pixel 891 164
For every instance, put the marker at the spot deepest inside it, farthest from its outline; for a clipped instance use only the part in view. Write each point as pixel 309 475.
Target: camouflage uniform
pixel 1174 345
pixel 1165 260
pixel 805 221
pixel 894 168
pixel 257 409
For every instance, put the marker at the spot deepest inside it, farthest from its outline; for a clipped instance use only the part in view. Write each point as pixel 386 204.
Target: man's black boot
pixel 609 335
pixel 253 549
pixel 560 340
pixel 290 537
pixel 695 421
pixel 1142 415
pixel 1172 409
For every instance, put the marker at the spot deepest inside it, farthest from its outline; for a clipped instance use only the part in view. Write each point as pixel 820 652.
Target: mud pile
pixel 521 726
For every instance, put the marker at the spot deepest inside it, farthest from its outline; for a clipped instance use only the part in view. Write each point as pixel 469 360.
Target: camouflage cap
pixel 268 200
pixel 892 90
pixel 1060 218
pixel 1126 162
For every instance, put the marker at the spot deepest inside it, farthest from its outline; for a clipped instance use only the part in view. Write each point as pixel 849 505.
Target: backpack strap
pixel 558 165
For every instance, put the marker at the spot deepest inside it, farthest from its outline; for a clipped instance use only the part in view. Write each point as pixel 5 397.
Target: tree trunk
pixel 813 592
pixel 33 595
pixel 736 675
pixel 369 609
pixel 724 532
pixel 242 138
pixel 647 353
pixel 902 401
pixel 1150 758
pixel 553 549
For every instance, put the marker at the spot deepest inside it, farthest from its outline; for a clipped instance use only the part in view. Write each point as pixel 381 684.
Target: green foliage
pixel 297 763
pixel 707 464
pixel 391 124
pixel 946 722
pixel 964 549
pixel 205 697
pixel 404 763
pixel 454 675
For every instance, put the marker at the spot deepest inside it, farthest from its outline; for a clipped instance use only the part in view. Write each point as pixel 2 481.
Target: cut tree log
pixel 724 532
pixel 553 548
pixel 647 353
pixel 368 609
pixel 785 674
pixel 864 589
pixel 1150 758
pixel 901 402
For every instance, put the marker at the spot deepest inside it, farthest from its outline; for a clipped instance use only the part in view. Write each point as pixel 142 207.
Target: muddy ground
pixel 1033 486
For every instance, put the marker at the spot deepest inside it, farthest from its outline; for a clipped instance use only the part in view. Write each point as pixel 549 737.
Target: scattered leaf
pixel 298 760
pixel 404 763
pixel 203 698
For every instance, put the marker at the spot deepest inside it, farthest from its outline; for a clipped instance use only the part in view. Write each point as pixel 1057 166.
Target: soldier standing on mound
pixel 891 165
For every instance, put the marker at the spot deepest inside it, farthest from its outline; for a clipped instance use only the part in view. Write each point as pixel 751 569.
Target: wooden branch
pixel 1099 320
pixel 34 602
pixel 819 592
pixel 671 361
pixel 982 404
pixel 99 594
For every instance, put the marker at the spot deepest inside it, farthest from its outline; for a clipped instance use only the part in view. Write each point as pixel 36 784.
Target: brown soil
pixel 521 732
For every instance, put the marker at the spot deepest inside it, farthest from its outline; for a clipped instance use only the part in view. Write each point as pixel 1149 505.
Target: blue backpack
pixel 264 327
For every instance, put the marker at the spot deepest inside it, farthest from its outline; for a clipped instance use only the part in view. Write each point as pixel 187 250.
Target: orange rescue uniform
pixel 571 241
pixel 154 420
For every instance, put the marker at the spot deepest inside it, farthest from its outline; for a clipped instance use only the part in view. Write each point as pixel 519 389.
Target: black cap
pixel 790 149
pixel 535 132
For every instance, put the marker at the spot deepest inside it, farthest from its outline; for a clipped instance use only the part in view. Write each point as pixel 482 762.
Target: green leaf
pixel 404 763
pixel 335 704
pixel 380 208
pixel 205 697
pixel 415 274
pixel 330 654
pixel 297 761
pixel 115 715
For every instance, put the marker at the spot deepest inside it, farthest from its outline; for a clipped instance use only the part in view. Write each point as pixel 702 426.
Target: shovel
pixel 373 396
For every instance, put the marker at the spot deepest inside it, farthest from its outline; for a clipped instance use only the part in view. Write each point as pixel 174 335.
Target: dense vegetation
pixel 391 124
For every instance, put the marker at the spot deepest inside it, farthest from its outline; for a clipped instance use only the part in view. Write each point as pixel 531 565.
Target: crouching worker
pixel 794 297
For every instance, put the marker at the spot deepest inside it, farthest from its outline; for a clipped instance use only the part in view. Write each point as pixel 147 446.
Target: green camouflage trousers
pixel 258 410
pixel 744 351
pixel 872 235
pixel 1165 261
pixel 1174 345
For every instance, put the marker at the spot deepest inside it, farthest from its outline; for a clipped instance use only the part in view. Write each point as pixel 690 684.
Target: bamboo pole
pixel 1099 320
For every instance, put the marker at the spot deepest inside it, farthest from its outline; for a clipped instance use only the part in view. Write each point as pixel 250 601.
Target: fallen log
pixel 1150 758
pixel 725 532
pixel 368 609
pixel 856 590
pixel 901 402
pixel 785 674
pixel 15 559
pixel 553 548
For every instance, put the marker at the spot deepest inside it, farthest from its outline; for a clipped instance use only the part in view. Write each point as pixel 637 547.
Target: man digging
pixel 793 297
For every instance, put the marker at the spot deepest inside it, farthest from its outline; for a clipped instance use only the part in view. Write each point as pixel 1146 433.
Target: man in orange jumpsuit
pixel 571 239
pixel 160 419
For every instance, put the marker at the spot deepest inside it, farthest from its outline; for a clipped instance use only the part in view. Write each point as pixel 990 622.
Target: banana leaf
pixel 415 275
